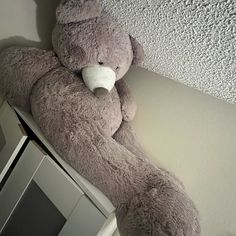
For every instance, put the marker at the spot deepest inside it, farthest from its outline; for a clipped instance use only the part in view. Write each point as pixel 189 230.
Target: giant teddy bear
pixel 78 99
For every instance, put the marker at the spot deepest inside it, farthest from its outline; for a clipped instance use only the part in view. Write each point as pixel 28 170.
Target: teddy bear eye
pixel 117 68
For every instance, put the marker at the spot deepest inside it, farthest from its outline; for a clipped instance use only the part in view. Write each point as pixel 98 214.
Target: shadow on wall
pixel 45 18
pixel 18 41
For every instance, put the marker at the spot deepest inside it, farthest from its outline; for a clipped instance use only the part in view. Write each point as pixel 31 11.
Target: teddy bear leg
pixel 126 136
pixel 163 209
pixel 149 213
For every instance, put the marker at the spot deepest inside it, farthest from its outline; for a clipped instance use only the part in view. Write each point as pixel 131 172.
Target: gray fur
pixel 92 134
pixel 149 200
pixel 138 52
pixel 69 11
pixel 20 68
pixel 85 43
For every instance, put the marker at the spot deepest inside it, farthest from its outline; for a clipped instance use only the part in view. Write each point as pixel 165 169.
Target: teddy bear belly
pixel 64 95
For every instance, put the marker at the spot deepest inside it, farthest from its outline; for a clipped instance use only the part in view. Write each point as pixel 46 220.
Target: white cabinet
pixel 12 138
pixel 18 182
pixel 85 220
pixel 41 198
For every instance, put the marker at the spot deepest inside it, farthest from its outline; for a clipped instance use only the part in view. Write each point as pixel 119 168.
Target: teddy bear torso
pixel 65 95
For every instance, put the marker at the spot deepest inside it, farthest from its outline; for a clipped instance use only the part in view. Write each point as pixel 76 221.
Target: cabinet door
pixel 85 220
pixel 59 188
pixel 37 193
pixel 18 181
pixel 12 138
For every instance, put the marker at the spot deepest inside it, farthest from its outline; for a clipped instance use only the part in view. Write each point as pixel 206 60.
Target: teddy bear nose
pixel 100 92
pixel 99 77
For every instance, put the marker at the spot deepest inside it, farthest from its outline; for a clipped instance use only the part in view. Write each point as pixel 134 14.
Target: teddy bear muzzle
pixel 99 78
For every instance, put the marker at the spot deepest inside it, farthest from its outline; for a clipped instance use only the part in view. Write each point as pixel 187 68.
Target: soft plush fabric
pixel 91 132
pixel 95 40
pixel 20 68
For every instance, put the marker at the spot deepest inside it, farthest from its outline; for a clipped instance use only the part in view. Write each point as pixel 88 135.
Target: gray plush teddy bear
pixel 82 106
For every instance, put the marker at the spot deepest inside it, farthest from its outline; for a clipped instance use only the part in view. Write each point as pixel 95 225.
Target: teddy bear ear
pixel 69 11
pixel 137 51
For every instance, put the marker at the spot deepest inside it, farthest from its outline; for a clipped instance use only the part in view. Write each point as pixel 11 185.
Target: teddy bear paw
pixel 128 110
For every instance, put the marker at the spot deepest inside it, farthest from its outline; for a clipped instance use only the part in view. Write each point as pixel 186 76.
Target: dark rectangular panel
pixel 35 215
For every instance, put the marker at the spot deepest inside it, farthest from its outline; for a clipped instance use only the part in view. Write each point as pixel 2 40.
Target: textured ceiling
pixel 191 41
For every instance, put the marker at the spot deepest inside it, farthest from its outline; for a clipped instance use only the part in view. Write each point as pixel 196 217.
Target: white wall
pixel 27 22
pixel 193 135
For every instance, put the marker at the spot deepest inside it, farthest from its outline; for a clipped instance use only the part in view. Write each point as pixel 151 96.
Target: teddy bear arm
pixel 161 210
pixel 128 105
pixel 20 68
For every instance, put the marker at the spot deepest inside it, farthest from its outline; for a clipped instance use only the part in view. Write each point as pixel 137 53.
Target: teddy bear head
pixel 90 43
